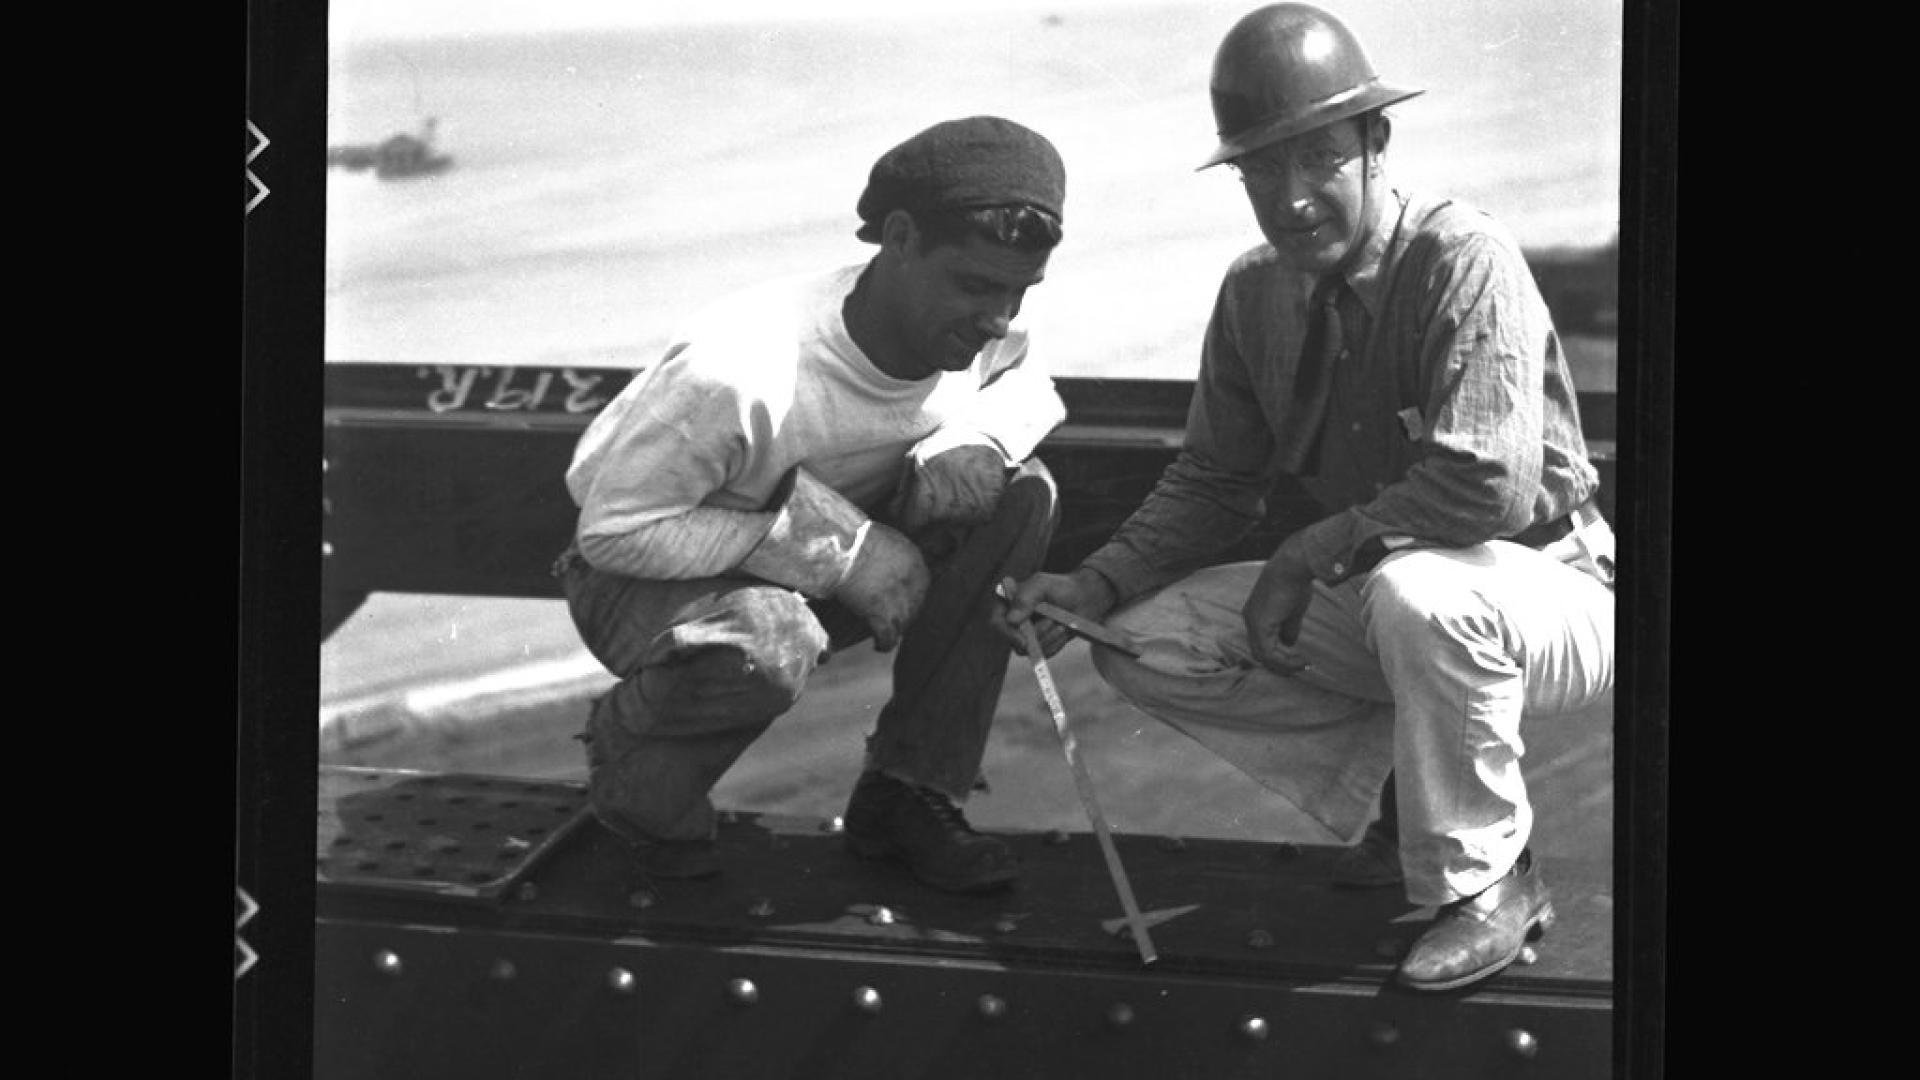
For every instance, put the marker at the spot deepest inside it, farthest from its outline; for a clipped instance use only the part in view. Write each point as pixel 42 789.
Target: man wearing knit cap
pixel 812 462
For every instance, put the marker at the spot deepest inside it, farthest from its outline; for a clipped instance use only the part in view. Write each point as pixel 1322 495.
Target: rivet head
pixel 1522 1043
pixel 503 970
pixel 387 962
pixel 761 908
pixel 742 991
pixel 991 1007
pixel 1260 939
pixel 1528 956
pixel 1057 837
pixel 881 916
pixel 1119 1014
pixel 867 999
pixel 642 899
pixel 1005 926
pixel 1254 1027
pixel 1381 1033
pixel 1173 843
pixel 834 825
pixel 621 980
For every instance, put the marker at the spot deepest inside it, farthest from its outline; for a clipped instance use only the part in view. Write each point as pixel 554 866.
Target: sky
pixel 422 18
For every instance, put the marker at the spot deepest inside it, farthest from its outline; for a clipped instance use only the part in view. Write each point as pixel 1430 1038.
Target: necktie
pixel 1319 351
pixel 1324 339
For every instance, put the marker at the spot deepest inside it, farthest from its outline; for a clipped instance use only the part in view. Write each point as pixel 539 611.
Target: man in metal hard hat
pixel 1391 350
pixel 818 460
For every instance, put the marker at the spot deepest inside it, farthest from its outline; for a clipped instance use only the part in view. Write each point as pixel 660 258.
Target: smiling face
pixel 932 309
pixel 1310 193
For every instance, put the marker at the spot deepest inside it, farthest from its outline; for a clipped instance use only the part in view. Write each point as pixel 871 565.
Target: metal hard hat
pixel 1288 68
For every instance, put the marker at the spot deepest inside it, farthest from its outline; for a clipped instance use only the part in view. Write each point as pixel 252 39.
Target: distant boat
pixel 401 156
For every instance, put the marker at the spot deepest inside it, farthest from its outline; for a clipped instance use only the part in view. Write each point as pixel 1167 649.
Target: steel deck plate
pixel 1258 910
pixel 456 836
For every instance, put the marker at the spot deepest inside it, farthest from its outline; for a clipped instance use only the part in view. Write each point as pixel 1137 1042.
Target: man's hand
pixel 1275 608
pixel 961 486
pixel 1082 592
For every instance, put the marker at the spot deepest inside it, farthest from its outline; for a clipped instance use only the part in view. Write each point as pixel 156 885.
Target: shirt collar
pixel 1367 272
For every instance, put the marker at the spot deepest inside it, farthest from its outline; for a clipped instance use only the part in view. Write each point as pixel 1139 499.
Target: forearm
pixel 700 542
pixel 1193 515
pixel 1458 500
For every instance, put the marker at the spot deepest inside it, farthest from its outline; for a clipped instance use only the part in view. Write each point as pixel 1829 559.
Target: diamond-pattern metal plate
pixel 452 835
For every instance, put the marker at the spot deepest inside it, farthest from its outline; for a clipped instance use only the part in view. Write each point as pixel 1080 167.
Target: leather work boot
pixel 1476 937
pixel 890 819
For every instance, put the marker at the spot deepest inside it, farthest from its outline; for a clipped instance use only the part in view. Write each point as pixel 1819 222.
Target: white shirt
pixel 674 476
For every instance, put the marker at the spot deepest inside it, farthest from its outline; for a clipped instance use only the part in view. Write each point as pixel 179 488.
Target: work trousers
pixel 706 665
pixel 1427 667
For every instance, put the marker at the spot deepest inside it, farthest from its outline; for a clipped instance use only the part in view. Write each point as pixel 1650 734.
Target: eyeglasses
pixel 1275 164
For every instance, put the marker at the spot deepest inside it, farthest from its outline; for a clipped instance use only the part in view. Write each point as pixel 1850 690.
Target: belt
pixel 1539 536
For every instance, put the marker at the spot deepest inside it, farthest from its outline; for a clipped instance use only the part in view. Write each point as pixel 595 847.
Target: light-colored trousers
pixel 1427 667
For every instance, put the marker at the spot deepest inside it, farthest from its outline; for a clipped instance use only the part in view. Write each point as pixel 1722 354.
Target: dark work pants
pixel 706 665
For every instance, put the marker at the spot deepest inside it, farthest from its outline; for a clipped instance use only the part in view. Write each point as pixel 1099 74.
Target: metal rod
pixel 1087 798
pixel 1086 628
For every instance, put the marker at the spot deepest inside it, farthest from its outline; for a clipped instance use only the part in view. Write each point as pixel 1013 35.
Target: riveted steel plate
pixel 803 962
pixel 405 1001
pixel 451 835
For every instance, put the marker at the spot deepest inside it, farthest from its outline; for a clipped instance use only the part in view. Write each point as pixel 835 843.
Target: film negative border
pixel 257 142
pixel 244 956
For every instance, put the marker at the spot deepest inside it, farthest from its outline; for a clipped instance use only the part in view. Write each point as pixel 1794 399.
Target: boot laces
pixel 949 814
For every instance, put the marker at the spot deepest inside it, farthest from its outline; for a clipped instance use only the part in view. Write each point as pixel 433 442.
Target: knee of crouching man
pixel 744 665
pixel 1425 591
pixel 1032 493
pixel 727 686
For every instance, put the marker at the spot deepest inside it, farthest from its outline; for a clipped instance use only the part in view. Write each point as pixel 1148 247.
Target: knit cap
pixel 976 161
